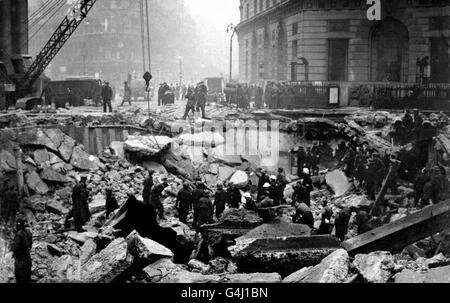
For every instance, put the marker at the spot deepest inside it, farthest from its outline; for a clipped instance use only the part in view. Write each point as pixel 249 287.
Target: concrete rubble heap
pixel 242 245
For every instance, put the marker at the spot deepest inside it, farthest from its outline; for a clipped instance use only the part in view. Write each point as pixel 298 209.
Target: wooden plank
pixel 380 198
pixel 394 237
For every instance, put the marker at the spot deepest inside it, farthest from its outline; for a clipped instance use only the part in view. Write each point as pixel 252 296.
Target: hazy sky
pixel 217 13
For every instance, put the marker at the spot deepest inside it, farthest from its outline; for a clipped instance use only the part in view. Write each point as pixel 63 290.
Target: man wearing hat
pixel 21 247
pixel 234 196
pixel 197 194
pixel 80 208
pixel 303 215
pixel 184 203
pixel 155 197
pixel 249 203
pixel 126 94
pixel 263 179
pixel 148 184
pixel 220 199
pixel 107 95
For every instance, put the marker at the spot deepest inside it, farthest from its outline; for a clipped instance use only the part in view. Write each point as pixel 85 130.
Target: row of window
pixel 261 5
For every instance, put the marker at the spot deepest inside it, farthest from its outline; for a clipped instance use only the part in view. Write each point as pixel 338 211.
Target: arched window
pixel 389 60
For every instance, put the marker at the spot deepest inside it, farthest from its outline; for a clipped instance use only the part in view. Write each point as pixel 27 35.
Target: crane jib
pixel 56 42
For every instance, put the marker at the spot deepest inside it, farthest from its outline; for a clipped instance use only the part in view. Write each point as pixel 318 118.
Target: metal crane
pixel 64 31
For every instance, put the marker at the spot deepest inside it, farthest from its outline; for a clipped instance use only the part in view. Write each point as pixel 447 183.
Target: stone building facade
pixel 334 40
pixel 108 44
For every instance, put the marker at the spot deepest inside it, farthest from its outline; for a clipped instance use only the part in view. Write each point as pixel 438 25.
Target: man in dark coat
pixel 201 92
pixel 190 105
pixel 111 202
pixel 301 160
pixel 184 203
pixel 234 196
pixel 363 222
pixel 155 197
pixel 303 215
pixel 148 184
pixel 206 211
pixel 80 208
pixel 107 95
pixel 11 203
pixel 197 194
pixel 325 224
pixel 220 200
pixel 341 223
pixel 281 184
pixel 263 179
pixel 21 248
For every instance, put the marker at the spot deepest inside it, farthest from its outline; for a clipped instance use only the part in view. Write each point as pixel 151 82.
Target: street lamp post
pixel 181 74
pixel 231 28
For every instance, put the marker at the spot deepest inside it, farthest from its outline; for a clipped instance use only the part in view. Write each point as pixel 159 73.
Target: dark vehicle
pixel 83 92
pixel 138 90
pixel 216 86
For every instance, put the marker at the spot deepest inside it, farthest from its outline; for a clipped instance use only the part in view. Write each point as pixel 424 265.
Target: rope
pixel 141 10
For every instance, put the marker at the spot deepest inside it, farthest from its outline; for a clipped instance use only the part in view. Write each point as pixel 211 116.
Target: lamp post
pixel 180 59
pixel 231 28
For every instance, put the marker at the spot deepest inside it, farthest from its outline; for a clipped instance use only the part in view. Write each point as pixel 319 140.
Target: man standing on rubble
pixel 326 213
pixel 341 223
pixel 155 197
pixel 148 184
pixel 419 185
pixel 234 196
pixel 12 203
pixel 201 92
pixel 206 211
pixel 184 202
pixel 21 247
pixel 197 194
pixel 111 202
pixel 80 208
pixel 190 105
pixel 107 95
pixel 308 184
pixel 301 160
pixel 220 200
pixel 263 179
pixel 281 184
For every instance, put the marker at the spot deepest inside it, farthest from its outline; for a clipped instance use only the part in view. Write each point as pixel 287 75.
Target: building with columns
pixel 333 40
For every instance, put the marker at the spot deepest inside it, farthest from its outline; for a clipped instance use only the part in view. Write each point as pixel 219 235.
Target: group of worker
pixel 411 128
pixel 196 100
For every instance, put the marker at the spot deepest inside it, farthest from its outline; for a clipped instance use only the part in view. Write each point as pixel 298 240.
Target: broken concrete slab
pixel 285 255
pixel 239 179
pixel 225 172
pixel 7 162
pixel 81 237
pixel 435 275
pixel 146 250
pixel 56 207
pixel 107 265
pixel 118 149
pixel 51 175
pixel 36 203
pixel 41 156
pixel 147 145
pixel 98 203
pixel 395 236
pixel 87 251
pixel 157 167
pixel 279 230
pixel 165 271
pixel 83 161
pixel 338 182
pixel 198 266
pixel 240 218
pixel 36 137
pixel 376 267
pixel 332 269
pixel 202 139
pixel 36 184
pixel 66 148
pixel 56 135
